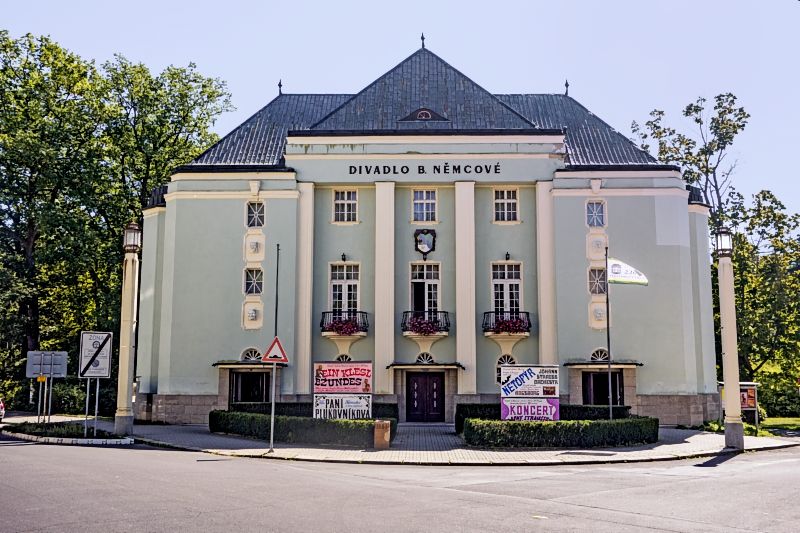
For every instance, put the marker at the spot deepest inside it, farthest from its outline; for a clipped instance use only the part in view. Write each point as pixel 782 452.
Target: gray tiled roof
pixel 260 140
pixel 423 80
pixel 590 141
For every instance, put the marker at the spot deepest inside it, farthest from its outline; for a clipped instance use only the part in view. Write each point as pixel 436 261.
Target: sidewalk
pixel 436 444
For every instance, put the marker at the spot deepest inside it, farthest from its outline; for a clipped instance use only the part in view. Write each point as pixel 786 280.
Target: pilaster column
pixel 384 287
pixel 465 287
pixel 305 269
pixel 546 274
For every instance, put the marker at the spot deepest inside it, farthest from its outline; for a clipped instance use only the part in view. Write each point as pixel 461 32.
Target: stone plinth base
pixel 679 409
pixel 177 408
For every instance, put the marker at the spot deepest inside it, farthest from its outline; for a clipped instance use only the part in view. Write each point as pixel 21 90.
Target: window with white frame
pixel 253 281
pixel 505 205
pixel 255 214
pixel 345 206
pixel 251 354
pixel 507 287
pixel 424 286
pixel 344 285
pixel 596 214
pixel 597 280
pixel 424 205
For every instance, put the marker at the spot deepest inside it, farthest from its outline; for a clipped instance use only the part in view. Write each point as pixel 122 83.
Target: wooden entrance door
pixel 425 397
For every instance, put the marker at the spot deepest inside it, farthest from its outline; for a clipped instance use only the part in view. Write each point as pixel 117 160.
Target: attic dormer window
pixel 423 113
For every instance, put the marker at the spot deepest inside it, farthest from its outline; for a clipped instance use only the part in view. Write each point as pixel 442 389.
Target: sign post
pixel 44 365
pixel 95 362
pixel 275 354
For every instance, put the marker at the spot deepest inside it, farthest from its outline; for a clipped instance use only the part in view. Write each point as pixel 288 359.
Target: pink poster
pixel 343 378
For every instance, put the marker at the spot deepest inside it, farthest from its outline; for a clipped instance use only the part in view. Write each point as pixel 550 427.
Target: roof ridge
pixel 234 130
pixel 362 91
pixel 609 126
pixel 520 115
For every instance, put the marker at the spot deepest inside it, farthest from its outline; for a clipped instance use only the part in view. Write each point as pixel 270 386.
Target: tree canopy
pixel 81 148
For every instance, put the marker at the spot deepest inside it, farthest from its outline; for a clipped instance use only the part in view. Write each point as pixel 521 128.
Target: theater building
pixel 437 230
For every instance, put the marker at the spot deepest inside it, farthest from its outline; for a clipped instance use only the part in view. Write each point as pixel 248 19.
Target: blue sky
pixel 622 58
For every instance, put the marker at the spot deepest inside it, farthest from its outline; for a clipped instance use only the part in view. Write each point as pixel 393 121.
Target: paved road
pixel 64 489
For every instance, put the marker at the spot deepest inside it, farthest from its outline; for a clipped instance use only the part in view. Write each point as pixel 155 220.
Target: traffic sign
pixel 95 361
pixel 275 353
pixel 50 364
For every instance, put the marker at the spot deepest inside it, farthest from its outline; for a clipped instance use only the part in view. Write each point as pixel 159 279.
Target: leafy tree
pixel 703 160
pixel 80 149
pixel 766 258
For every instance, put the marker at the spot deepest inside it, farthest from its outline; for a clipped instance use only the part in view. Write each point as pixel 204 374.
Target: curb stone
pixel 127 441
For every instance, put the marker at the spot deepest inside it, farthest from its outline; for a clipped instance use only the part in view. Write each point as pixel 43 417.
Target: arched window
pixel 344 358
pixel 425 358
pixel 423 114
pixel 251 354
pixel 600 354
pixel 504 360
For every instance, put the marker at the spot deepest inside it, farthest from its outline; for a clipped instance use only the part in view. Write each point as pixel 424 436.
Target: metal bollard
pixel 382 434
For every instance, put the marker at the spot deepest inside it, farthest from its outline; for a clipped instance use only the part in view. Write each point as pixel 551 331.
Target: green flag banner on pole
pixel 623 273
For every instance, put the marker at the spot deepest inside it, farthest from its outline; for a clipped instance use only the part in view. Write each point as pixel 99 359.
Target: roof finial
pixel 566 87
pixel 280 87
pixel 423 40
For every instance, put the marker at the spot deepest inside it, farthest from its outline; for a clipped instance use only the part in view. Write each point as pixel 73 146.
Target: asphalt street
pixel 64 489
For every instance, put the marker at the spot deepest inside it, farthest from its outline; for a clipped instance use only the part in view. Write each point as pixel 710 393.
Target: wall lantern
pixel 723 242
pixel 508 256
pixel 132 238
pixel 344 258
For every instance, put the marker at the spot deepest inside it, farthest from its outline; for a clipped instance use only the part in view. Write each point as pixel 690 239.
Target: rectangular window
pixel 345 206
pixel 596 214
pixel 424 287
pixel 424 205
pixel 505 205
pixel 253 281
pixel 255 214
pixel 597 280
pixel 344 288
pixel 507 287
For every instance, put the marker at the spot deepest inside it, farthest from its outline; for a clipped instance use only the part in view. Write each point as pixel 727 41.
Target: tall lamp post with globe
pixel 132 244
pixel 734 429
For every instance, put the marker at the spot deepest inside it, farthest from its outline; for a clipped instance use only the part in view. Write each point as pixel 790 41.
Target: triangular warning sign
pixel 275 353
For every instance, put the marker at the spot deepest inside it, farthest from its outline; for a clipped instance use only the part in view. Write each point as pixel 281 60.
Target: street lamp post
pixel 734 429
pixel 132 244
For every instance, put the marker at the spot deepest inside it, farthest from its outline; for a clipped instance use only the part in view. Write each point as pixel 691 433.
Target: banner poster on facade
pixel 529 409
pixel 343 378
pixel 528 381
pixel 529 392
pixel 350 406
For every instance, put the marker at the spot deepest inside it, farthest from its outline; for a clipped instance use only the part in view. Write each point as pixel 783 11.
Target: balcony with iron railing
pixel 344 322
pixel 507 328
pixel 507 322
pixel 425 322
pixel 344 328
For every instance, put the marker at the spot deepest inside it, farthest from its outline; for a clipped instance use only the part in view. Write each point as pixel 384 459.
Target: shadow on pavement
pixel 716 461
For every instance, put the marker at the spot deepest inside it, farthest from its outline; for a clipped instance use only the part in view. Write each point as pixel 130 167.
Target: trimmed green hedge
pixel 297 428
pixel 491 411
pixel 561 434
pixel 379 410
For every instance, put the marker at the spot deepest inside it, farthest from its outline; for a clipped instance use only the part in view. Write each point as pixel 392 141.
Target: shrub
pixel 491 411
pixel 297 429
pixel 561 434
pixel 62 430
pixel 306 409
pixel 780 400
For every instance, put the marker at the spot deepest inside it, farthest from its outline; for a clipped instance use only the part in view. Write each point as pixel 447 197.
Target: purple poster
pixel 529 409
